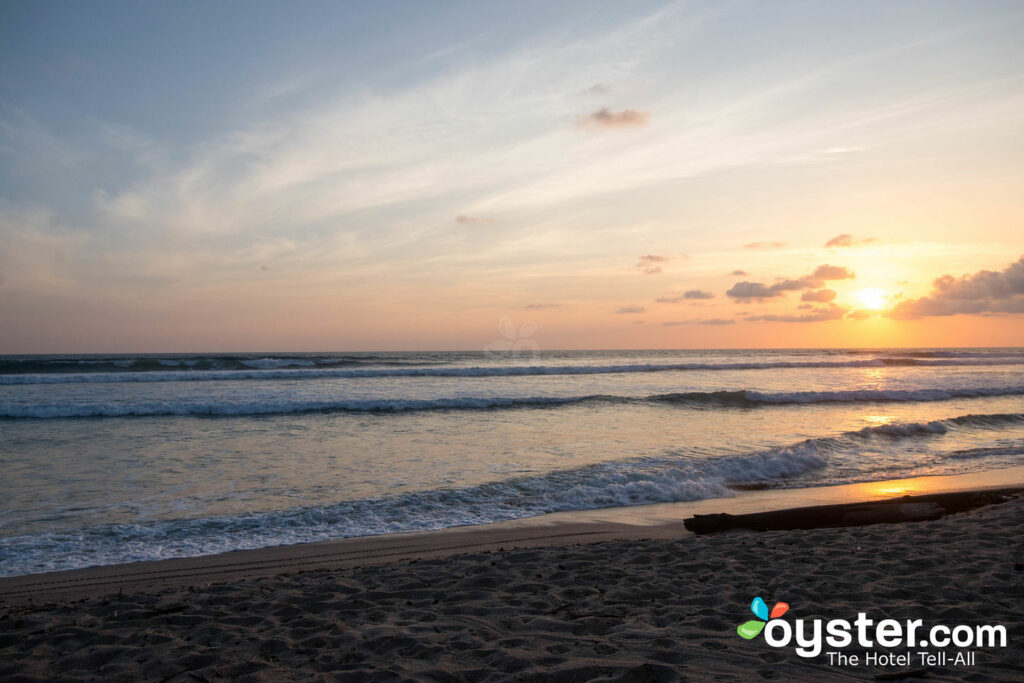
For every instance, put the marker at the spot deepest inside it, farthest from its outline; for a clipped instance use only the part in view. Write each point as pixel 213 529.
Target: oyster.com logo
pixel 751 629
pixel 908 641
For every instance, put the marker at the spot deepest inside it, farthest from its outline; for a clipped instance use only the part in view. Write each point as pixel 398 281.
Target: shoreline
pixel 659 521
pixel 661 609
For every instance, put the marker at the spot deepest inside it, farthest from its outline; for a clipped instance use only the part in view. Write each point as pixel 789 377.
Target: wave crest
pixel 205 370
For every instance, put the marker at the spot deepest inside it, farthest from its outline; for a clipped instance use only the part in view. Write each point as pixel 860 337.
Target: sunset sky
pixel 224 176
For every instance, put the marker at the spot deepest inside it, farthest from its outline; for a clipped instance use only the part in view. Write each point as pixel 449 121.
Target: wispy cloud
pixel 363 150
pixel 762 246
pixel 861 314
pixel 40 255
pixel 690 294
pixel 465 219
pixel 540 306
pixel 831 312
pixel 846 240
pixel 648 264
pixel 628 310
pixel 22 134
pixel 605 118
pixel 700 321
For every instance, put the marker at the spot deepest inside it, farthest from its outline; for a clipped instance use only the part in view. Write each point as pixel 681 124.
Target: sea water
pixel 107 459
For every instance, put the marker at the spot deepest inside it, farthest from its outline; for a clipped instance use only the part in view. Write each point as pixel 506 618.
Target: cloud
pixel 700 321
pixel 846 240
pixel 813 281
pixel 599 89
pixel 983 292
pixel 752 290
pixel 606 118
pixel 539 306
pixel 739 273
pixel 860 314
pixel 827 272
pixel 688 294
pixel 831 312
pixel 465 219
pixel 790 285
pixel 761 246
pixel 820 296
pixel 648 263
pixel 748 291
pixel 626 310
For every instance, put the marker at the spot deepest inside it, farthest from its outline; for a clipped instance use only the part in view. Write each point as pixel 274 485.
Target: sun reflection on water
pixel 875 378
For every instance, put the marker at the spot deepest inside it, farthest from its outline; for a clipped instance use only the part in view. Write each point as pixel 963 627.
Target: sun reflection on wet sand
pixel 893 491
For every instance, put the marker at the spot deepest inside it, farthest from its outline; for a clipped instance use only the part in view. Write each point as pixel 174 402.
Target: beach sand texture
pixel 643 610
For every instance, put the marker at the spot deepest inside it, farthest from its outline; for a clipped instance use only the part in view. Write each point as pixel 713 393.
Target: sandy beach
pixel 567 605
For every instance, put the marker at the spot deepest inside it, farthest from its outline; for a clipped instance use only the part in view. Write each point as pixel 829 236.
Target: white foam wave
pixel 598 486
pixel 743 398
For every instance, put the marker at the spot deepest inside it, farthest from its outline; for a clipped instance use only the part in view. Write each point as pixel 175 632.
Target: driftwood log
pixel 905 509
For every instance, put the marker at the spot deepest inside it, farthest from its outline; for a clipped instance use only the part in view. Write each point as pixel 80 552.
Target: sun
pixel 873 298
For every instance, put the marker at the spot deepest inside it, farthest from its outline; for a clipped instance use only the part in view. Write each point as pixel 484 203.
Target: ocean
pixel 109 459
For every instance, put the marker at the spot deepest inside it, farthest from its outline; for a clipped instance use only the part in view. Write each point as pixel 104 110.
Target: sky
pixel 245 176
